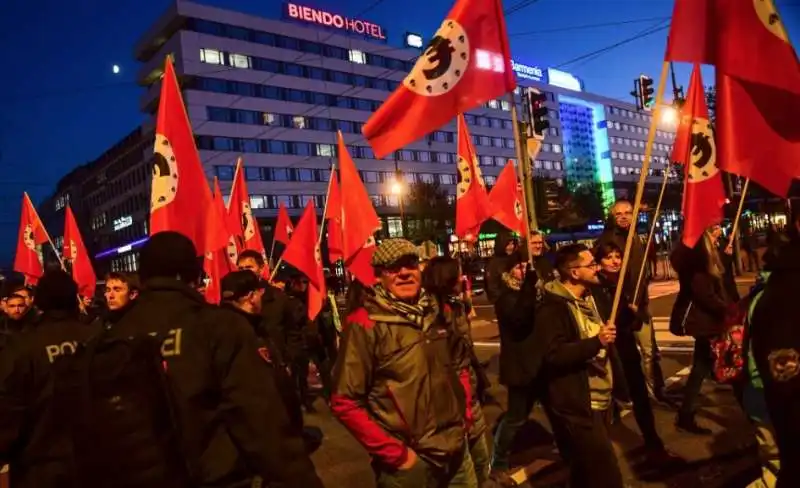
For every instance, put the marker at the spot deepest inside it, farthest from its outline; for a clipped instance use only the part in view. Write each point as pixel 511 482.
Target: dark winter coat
pixel 496 266
pixel 702 305
pixel 516 316
pixel 37 447
pixel 776 348
pixel 284 321
pixel 232 426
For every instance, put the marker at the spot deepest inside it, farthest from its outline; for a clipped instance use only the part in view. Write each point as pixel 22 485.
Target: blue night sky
pixel 62 105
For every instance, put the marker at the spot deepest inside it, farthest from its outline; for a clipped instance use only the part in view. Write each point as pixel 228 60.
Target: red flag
pixel 333 214
pixel 758 133
pixel 75 251
pixel 283 227
pixel 742 38
pixel 473 207
pixel 303 253
pixel 359 220
pixel 466 64
pixel 241 219
pixel 704 193
pixel 31 233
pixel 507 200
pixel 180 197
pixel 220 262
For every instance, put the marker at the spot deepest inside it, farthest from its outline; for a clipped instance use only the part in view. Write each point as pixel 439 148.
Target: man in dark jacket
pixel 515 310
pixel 504 245
pixel 775 337
pixel 580 370
pixel 395 385
pixel 235 429
pixel 617 228
pixel 32 442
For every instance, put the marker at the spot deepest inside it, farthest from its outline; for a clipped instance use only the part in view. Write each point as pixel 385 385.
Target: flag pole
pixel 235 175
pixel 325 206
pixel 733 237
pixel 521 161
pixel 651 136
pixel 656 214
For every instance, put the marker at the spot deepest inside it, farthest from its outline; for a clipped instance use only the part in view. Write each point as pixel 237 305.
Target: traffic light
pixel 646 92
pixel 537 112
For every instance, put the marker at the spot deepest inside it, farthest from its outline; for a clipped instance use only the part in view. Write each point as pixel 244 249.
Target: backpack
pixel 114 397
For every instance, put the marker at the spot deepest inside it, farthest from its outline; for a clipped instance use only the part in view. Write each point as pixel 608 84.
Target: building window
pixel 257 201
pixel 395 226
pixel 240 61
pixel 268 118
pixel 299 122
pixel 326 150
pixel 224 173
pixel 357 56
pixel 447 179
pixel 211 56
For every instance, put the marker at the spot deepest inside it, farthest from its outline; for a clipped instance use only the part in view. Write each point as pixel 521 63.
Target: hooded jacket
pixel 396 387
pixel 497 265
pixel 567 359
pixel 37 446
pixel 234 429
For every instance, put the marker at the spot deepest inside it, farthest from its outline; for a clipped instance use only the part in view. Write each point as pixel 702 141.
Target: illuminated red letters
pixel 321 17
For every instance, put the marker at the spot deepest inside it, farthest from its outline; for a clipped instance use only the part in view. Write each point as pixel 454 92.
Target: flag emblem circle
pixel 248 226
pixel 165 174
pixel 73 250
pixel 443 63
pixel 768 15
pixel 28 239
pixel 517 208
pixel 465 176
pixel 232 252
pixel 703 164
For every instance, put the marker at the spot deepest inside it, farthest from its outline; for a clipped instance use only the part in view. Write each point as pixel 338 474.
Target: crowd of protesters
pixel 159 388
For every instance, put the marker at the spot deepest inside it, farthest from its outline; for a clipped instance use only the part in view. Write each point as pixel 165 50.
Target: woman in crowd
pixel 442 278
pixel 700 312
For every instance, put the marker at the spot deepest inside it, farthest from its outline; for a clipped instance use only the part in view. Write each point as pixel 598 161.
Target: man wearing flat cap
pixel 394 384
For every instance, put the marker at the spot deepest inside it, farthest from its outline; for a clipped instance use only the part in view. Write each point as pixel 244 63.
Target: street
pixel 726 459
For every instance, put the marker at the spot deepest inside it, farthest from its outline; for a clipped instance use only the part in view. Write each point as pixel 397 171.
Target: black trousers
pixel 637 387
pixel 520 403
pixel 586 448
pixel 702 367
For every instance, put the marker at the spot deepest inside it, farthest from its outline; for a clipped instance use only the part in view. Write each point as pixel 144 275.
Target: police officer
pixel 35 446
pixel 234 431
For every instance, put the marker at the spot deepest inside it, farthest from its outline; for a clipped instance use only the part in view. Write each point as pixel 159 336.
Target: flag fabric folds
pixel 27 259
pixel 75 251
pixel 704 192
pixel 241 219
pixel 303 253
pixel 758 84
pixel 180 198
pixel 283 226
pixel 219 262
pixel 507 201
pixel 466 64
pixel 333 216
pixel 359 219
pixel 473 206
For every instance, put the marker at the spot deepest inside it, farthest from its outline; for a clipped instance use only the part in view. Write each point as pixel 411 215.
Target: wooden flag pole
pixel 235 176
pixel 650 234
pixel 648 153
pixel 521 161
pixel 325 206
pixel 735 229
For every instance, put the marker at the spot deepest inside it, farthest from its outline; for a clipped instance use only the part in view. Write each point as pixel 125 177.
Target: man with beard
pixel 395 386
pixel 616 231
pixel 579 370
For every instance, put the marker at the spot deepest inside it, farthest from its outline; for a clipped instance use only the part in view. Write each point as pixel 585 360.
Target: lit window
pixel 269 119
pixel 299 122
pixel 557 148
pixel 211 56
pixel 325 150
pixel 493 104
pixel 240 61
pixel 357 56
pixel 489 61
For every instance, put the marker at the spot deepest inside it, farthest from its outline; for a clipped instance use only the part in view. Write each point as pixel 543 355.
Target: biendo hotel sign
pixel 336 21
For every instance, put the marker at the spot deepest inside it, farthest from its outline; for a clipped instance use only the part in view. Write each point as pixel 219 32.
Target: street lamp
pixel 398 189
pixel 669 115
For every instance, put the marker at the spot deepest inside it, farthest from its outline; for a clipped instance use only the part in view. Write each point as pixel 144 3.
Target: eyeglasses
pixel 592 265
